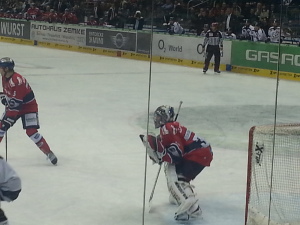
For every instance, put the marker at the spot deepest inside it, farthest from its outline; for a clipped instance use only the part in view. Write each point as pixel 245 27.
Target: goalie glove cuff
pixel 151 144
pixel 3 99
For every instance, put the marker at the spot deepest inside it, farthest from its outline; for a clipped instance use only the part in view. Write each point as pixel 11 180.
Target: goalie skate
pixel 193 213
pixel 182 217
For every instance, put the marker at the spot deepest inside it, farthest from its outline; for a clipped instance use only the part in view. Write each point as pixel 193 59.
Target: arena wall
pixel 238 56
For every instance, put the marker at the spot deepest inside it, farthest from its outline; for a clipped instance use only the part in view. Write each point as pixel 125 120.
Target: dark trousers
pixel 189 169
pixel 210 51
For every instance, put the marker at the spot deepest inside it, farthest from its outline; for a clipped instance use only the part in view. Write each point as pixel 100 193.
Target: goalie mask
pixel 163 115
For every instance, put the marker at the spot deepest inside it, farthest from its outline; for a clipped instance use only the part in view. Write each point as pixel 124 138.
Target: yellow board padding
pixel 168 60
pixel 136 56
pixel 16 40
pixel 84 49
pixel 266 73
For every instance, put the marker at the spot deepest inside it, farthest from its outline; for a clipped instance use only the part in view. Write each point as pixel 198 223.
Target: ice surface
pixel 92 109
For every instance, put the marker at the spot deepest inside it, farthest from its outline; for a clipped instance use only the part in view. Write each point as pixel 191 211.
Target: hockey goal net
pixel 273 179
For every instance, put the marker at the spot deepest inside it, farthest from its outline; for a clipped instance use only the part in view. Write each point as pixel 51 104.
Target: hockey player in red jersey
pixel 19 101
pixel 184 155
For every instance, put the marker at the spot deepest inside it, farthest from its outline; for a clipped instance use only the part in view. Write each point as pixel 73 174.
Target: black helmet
pixel 7 62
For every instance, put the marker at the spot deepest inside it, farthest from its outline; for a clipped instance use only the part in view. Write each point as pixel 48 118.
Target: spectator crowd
pixel 256 21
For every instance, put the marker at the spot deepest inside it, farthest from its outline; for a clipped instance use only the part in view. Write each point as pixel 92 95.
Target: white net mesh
pixel 273 190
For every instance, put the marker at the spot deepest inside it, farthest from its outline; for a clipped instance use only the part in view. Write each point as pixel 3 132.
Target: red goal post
pixel 273 175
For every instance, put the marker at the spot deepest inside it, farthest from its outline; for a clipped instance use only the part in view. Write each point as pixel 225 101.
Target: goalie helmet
pixel 162 115
pixel 7 62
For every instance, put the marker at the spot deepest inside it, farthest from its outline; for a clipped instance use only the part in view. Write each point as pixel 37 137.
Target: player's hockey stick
pixel 153 189
pixel 6 146
pixel 160 165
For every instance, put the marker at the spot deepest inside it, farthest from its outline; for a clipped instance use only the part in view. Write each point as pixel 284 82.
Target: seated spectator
pixel 273 12
pixel 174 27
pixel 92 21
pixel 274 33
pixel 246 30
pixel 211 15
pixel 258 34
pixel 8 14
pixel 25 6
pixel 15 12
pixel 202 19
pixel 237 9
pixel 246 10
pixel 60 6
pixel 2 13
pixel 20 16
pixel 79 12
pixel 167 7
pixel 229 34
pixel 46 13
pixel 178 11
pixel 46 3
pixel 252 17
pixel 138 21
pixel 53 17
pixel 69 17
pixel 122 17
pixel 220 19
pixel 102 22
pixel 33 13
pixel 224 6
pixel 264 13
pixel 258 9
pixel 204 31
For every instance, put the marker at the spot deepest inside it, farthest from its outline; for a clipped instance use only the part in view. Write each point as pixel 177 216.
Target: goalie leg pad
pixel 181 192
pixel 188 199
pixel 171 176
pixel 172 200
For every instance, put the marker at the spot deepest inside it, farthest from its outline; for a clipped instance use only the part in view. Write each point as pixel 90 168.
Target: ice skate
pixel 4 222
pixel 52 158
pixel 195 211
pixel 182 217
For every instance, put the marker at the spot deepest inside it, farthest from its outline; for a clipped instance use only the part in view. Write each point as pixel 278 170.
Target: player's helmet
pixel 7 62
pixel 162 115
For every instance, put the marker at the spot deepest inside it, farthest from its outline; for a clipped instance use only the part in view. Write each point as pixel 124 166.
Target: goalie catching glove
pixel 153 146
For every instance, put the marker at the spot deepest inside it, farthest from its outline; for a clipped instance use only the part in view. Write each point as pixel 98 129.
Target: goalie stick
pixel 160 165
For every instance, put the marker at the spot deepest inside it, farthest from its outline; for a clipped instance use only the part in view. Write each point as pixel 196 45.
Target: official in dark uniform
pixel 214 41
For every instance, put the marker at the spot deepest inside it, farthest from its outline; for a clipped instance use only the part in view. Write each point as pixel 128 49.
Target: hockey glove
pixel 6 123
pixel 3 99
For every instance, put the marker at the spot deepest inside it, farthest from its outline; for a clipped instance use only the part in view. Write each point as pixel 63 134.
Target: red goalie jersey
pixel 19 96
pixel 178 142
